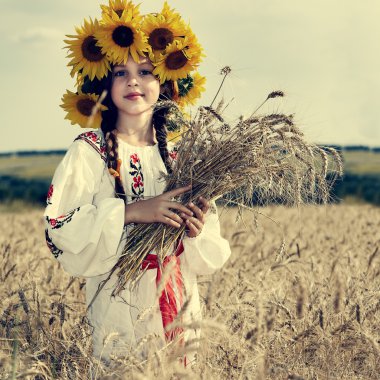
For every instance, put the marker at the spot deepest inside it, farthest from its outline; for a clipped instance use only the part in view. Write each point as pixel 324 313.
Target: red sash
pixel 167 300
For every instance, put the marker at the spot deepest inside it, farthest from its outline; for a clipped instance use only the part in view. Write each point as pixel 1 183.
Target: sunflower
pixel 180 58
pixel 121 36
pixel 163 28
pixel 87 57
pixel 80 109
pixel 122 8
pixel 190 89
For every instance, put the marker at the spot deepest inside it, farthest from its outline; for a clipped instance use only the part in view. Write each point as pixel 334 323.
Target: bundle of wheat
pixel 258 160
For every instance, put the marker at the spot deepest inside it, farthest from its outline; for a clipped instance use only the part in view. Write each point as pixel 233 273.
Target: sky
pixel 324 55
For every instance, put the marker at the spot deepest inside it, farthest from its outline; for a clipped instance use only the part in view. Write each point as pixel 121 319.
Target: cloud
pixel 38 35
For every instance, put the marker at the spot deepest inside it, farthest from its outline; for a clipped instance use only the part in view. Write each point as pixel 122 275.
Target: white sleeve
pixel 208 251
pixel 82 236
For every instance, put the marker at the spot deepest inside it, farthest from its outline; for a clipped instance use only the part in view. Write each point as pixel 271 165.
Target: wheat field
pixel 298 299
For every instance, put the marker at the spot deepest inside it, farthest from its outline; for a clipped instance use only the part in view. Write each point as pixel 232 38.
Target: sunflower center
pixel 90 51
pixel 123 36
pixel 160 38
pixel 175 60
pixel 85 106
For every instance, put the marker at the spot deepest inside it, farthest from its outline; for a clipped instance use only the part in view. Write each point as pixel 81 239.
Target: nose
pixel 132 80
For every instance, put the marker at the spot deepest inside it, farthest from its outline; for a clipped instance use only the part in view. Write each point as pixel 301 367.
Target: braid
pixel 113 154
pixel 159 120
pixel 109 118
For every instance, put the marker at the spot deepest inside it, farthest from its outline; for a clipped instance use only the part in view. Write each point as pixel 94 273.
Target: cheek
pixel 114 92
pixel 153 88
pixel 155 91
pixel 117 93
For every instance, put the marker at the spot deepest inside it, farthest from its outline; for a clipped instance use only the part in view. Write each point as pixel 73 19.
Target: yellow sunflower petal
pixel 119 38
pixel 169 13
pixel 163 28
pixel 83 109
pixel 86 56
pixel 118 9
pixel 180 58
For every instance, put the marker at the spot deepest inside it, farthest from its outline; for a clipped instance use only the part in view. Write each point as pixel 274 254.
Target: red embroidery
pixel 50 194
pixel 137 182
pixel 137 185
pixel 61 220
pixel 53 248
pixel 96 141
pixel 135 158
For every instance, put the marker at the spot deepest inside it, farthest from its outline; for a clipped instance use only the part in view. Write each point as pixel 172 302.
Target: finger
pixel 170 222
pixel 178 206
pixel 173 216
pixel 196 222
pixel 175 192
pixel 206 204
pixel 193 230
pixel 197 211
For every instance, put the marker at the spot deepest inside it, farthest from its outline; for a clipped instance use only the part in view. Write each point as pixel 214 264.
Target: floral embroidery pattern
pixel 49 194
pixel 53 248
pixel 61 220
pixel 137 185
pixel 96 141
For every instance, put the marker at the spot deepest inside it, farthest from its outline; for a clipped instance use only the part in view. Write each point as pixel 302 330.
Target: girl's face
pixel 135 89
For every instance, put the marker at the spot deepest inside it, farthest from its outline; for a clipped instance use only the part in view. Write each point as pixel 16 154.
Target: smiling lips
pixel 133 96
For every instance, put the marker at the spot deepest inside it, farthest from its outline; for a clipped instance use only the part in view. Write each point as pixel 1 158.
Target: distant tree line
pixel 361 186
pixel 32 190
pixel 26 153
pixel 353 148
pixel 365 187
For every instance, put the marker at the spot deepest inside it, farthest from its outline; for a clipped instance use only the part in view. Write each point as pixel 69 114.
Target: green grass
pixel 39 166
pixel 361 162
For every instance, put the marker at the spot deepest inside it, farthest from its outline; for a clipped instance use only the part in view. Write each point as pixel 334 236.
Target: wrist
pixel 130 213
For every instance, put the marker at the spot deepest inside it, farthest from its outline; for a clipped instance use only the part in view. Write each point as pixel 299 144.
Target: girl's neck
pixel 136 130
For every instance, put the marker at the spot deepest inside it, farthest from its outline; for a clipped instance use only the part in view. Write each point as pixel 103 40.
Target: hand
pixel 158 209
pixel 195 223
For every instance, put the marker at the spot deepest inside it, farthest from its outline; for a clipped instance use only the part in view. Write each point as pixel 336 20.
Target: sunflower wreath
pixel 121 32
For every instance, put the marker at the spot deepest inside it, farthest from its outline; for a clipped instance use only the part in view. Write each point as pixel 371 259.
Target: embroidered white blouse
pixel 85 231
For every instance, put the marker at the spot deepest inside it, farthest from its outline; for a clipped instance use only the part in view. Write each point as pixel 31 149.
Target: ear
pixel 165 88
pixel 170 90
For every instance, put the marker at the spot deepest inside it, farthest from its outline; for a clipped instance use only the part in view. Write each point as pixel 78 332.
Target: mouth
pixel 133 95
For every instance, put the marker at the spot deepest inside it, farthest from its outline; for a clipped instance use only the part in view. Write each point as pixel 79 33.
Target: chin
pixel 139 111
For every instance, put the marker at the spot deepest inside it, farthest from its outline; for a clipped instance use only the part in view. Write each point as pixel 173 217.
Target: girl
pixel 110 179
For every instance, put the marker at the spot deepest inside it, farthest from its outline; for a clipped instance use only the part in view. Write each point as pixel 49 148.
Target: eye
pixel 119 73
pixel 145 72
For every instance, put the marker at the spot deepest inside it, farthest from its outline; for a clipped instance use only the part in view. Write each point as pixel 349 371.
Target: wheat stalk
pixel 261 159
